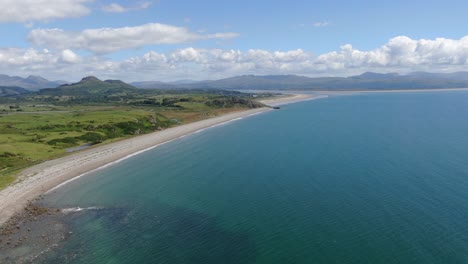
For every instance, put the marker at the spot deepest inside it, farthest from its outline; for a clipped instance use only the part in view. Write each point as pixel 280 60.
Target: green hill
pixel 92 86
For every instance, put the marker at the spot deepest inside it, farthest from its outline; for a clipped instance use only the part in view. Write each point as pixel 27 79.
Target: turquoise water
pixel 374 178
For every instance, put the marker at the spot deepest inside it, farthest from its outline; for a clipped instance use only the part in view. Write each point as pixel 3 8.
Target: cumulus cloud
pixel 399 54
pixel 41 10
pixel 107 40
pixel 291 56
pixel 70 56
pixel 187 55
pixel 63 64
pixel 117 8
pixel 400 51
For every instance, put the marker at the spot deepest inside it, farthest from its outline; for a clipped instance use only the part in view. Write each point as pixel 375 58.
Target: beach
pixel 291 99
pixel 41 178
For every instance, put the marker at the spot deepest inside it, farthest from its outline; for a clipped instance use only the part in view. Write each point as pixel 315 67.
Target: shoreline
pixel 50 175
pixel 292 99
pixel 346 92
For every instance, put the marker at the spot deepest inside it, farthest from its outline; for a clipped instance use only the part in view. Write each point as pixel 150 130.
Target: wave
pixel 79 209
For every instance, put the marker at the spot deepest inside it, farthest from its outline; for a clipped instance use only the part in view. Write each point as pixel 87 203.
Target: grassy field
pixel 32 132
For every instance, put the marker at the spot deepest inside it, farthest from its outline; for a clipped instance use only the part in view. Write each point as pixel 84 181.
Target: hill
pixel 155 85
pixel 91 86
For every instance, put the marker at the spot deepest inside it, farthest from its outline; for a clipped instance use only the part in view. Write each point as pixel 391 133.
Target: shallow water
pixel 372 178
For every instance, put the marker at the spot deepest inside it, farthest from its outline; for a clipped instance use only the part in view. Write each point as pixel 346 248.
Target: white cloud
pixel 117 8
pixel 401 51
pixel 41 10
pixel 292 55
pixel 114 8
pixel 25 59
pixel 320 24
pixel 69 56
pixel 227 55
pixel 400 54
pixel 187 55
pixel 107 40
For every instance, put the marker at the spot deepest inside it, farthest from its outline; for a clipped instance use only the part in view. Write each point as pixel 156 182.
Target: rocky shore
pixel 22 242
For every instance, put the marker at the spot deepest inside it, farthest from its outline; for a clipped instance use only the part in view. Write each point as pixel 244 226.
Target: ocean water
pixel 370 178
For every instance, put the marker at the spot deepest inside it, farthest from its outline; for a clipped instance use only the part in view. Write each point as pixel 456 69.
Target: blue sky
pixel 168 40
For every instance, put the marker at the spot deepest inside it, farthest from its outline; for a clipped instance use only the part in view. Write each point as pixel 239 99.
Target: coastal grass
pixel 6 180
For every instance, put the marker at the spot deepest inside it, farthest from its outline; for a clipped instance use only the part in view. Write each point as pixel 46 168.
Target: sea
pixel 360 178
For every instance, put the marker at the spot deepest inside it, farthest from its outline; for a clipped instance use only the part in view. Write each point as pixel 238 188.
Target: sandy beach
pixel 43 177
pixel 291 99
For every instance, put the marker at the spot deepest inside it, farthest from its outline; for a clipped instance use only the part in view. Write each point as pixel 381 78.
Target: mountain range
pixel 365 81
pixel 32 82
pixel 12 90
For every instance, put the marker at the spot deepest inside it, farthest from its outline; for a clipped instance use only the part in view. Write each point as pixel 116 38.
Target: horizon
pixel 244 75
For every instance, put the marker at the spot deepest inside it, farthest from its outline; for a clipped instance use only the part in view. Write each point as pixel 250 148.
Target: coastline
pixel 49 175
pixel 347 92
pixel 291 99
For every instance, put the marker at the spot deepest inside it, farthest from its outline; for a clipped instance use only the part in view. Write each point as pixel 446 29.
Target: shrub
pixel 92 137
pixel 66 140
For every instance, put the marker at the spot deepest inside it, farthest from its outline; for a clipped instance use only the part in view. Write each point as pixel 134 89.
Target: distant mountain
pixel 446 76
pixel 365 81
pixel 374 76
pixel 183 81
pixel 7 90
pixel 91 86
pixel 154 85
pixel 252 82
pixel 32 82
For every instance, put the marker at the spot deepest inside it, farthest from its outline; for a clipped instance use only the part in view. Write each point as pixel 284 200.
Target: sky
pixel 168 40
